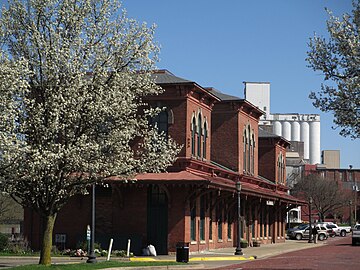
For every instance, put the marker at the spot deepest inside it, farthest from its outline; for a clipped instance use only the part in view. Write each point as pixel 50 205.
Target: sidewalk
pixel 205 260
pixel 223 257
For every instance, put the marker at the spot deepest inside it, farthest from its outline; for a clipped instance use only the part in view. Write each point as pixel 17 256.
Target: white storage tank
pixel 286 130
pixel 304 137
pixel 277 129
pixel 315 153
pixel 295 131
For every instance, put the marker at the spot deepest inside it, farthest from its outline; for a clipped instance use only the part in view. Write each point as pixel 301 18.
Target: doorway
pixel 157 219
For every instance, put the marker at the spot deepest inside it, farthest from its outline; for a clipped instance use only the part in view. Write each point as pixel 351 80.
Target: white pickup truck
pixel 339 230
pixel 356 234
pixel 342 230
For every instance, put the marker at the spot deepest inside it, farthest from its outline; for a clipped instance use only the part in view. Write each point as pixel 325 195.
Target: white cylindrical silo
pixel 286 130
pixel 315 155
pixel 304 137
pixel 277 128
pixel 295 131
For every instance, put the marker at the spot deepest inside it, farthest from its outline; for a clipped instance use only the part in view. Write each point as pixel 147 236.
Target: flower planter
pixel 243 244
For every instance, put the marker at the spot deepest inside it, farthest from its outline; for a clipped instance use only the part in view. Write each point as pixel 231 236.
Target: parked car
pixel 299 227
pixel 304 233
pixel 355 238
pixel 339 230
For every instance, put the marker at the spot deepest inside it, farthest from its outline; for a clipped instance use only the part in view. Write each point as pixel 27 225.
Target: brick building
pixel 349 181
pixel 195 201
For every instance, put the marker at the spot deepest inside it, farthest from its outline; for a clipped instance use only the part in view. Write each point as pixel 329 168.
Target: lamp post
pixel 355 188
pixel 350 203
pixel 310 228
pixel 238 250
pixel 92 257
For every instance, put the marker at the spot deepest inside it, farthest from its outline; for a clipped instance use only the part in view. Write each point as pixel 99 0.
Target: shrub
pixel 121 253
pixel 84 245
pixel 4 240
pixel 18 247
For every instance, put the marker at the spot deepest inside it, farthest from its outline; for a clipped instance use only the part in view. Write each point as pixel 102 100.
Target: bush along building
pixel 195 201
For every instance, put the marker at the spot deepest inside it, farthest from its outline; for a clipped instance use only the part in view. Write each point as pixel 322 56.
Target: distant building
pixel 294 127
pixel 331 159
pixel 349 180
pixel 258 93
pixel 11 216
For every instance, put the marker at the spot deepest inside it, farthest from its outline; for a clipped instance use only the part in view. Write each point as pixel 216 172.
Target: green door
pixel 157 219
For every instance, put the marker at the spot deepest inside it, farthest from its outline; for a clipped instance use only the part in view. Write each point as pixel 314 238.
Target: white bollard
pixel 110 248
pixel 128 248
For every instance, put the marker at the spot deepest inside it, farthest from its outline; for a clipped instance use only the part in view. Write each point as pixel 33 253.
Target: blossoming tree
pixel 73 74
pixel 338 60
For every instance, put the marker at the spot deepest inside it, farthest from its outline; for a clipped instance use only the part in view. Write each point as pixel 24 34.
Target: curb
pixel 198 259
pixel 169 267
pixel 235 258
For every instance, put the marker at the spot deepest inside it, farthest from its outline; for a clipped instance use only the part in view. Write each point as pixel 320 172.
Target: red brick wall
pixel 32 228
pixel 227 131
pixel 225 141
pixel 183 106
pixel 122 214
pixel 177 130
pixel 176 217
pixel 269 152
pixel 267 159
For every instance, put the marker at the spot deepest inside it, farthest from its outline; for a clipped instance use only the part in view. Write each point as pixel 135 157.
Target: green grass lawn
pixel 98 265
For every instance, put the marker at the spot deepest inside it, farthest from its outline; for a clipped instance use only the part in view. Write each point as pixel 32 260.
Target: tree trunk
pixel 46 243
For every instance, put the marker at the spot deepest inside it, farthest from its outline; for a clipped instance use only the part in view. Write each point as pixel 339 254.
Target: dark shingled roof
pixel 264 134
pixel 166 77
pixel 221 95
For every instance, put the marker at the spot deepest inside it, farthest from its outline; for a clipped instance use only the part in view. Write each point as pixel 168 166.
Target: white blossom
pixel 338 58
pixel 73 75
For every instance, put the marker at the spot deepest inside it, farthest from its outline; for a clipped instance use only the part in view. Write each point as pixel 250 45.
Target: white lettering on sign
pixel 60 238
pixel 269 202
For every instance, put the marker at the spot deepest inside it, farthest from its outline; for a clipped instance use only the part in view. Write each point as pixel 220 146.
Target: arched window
pixel 205 134
pixel 193 130
pixel 199 134
pixel 245 152
pixel 249 149
pixel 161 122
pixel 253 153
pixel 281 169
pixel 278 169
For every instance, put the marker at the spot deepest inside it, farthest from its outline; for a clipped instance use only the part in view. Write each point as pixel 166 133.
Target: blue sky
pixel 223 43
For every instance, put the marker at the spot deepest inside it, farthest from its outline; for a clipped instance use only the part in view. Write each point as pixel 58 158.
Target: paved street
pixel 337 254
pixel 334 253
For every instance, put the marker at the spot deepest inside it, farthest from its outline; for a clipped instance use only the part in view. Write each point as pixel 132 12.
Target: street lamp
pixel 350 203
pixel 238 250
pixel 92 257
pixel 355 188
pixel 310 228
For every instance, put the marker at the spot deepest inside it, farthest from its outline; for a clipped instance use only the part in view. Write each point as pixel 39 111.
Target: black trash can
pixel 182 252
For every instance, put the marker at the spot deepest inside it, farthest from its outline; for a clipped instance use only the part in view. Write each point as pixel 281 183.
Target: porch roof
pixel 249 187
